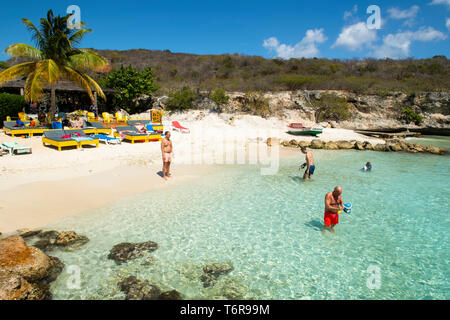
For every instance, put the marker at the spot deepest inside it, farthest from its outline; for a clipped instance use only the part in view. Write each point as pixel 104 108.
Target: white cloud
pixel 398 45
pixel 306 48
pixel 355 36
pixel 349 14
pixel 445 2
pixel 447 24
pixel 396 13
pixel 408 15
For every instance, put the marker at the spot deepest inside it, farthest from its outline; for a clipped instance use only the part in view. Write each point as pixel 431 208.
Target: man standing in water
pixel 310 167
pixel 333 205
pixel 167 150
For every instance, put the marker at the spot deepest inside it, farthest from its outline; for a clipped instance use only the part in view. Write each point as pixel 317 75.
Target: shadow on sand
pixel 297 179
pixel 160 173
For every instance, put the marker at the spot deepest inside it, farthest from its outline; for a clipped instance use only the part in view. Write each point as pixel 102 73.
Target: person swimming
pixel 367 167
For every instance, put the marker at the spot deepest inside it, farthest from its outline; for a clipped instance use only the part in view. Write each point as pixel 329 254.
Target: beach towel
pixel 78 139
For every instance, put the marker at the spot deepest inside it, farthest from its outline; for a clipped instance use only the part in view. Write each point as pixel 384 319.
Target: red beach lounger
pixel 177 126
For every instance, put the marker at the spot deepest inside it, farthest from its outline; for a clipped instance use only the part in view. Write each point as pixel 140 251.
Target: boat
pixel 299 130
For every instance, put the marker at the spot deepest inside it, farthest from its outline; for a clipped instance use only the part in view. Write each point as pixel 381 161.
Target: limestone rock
pixel 15 287
pixel 293 143
pixel 71 238
pixel 368 145
pixel 213 271
pixel 136 289
pixel 317 144
pixel 17 258
pixel 346 145
pixel 331 145
pixel 381 147
pixel 170 295
pixel 305 144
pixel 123 252
pixel 359 145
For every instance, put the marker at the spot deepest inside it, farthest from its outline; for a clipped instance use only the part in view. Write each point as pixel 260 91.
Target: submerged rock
pixel 136 289
pixel 212 272
pixel 15 287
pixel 170 295
pixel 71 240
pixel 123 252
pixel 66 240
pixel 25 233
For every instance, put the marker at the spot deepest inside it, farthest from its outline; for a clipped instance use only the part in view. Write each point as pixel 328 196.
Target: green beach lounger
pixel 14 147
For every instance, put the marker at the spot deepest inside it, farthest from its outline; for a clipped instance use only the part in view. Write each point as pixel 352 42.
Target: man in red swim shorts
pixel 333 204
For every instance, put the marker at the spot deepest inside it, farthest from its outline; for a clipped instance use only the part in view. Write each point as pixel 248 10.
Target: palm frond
pixel 49 70
pixel 89 59
pixel 78 36
pixel 96 86
pixel 79 79
pixel 36 34
pixel 19 70
pixel 34 86
pixel 24 50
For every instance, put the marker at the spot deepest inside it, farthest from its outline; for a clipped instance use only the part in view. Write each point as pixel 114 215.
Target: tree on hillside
pixel 54 59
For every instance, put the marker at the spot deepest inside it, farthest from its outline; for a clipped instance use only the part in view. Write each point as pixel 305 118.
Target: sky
pixel 284 28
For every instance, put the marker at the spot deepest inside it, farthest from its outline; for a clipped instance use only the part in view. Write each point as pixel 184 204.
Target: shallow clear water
pixel 269 227
pixel 437 141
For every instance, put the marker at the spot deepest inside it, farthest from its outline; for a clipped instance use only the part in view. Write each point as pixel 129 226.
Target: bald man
pixel 333 204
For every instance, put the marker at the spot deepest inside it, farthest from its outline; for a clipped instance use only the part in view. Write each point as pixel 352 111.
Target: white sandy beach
pixel 46 185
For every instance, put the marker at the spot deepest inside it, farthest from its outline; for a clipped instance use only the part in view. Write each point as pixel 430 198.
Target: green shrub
pixel 331 107
pixel 10 105
pixel 3 65
pixel 131 84
pixel 180 100
pixel 295 82
pixel 256 104
pixel 219 96
pixel 409 116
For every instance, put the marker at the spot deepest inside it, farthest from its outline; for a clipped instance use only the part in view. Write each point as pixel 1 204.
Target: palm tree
pixel 54 59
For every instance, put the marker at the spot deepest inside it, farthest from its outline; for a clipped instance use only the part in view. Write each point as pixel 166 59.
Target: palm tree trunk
pixel 53 102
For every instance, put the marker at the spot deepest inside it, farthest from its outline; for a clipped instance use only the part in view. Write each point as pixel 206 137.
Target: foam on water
pixel 269 227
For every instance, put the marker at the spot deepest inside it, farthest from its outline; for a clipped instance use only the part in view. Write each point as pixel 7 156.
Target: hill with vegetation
pixel 235 72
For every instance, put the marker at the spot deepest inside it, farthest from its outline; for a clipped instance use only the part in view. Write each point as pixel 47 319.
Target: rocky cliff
pixel 365 112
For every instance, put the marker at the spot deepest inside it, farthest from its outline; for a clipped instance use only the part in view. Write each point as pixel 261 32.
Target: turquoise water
pixel 269 227
pixel 437 141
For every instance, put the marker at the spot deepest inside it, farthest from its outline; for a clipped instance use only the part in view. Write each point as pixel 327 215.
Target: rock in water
pixel 28 262
pixel 331 145
pixel 170 295
pixel 317 144
pixel 123 252
pixel 15 287
pixel 136 289
pixel 71 240
pixel 346 145
pixel 212 272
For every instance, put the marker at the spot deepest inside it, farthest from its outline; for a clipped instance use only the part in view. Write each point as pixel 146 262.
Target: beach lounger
pixel 63 138
pixel 132 134
pixel 107 140
pixel 15 148
pixel 10 128
pixel 156 126
pixel 96 128
pixel 178 127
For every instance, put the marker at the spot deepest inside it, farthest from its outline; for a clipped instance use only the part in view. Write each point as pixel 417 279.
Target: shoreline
pixel 41 187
